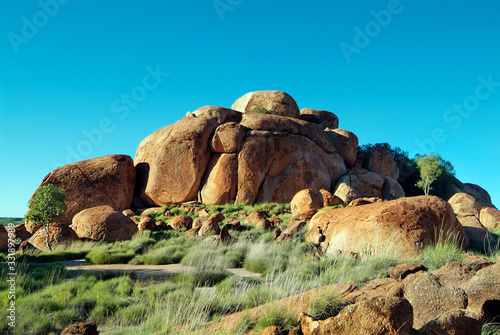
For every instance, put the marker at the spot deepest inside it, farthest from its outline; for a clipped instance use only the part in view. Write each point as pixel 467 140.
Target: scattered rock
pixel 211 224
pixel 198 222
pixel 379 287
pixel 146 223
pixel 128 212
pixel 346 193
pixel 455 322
pixel 401 271
pixel 234 225
pixel 381 315
pixel 476 262
pixel 454 274
pixel 181 222
pixel 306 203
pixel 161 225
pixel 81 328
pixel 258 219
pixel 429 299
pixel 330 199
pixel 103 223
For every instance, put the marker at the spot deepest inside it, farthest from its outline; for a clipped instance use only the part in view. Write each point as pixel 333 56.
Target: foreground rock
pixel 306 203
pixel 107 180
pixel 103 223
pixel 381 315
pixel 404 225
pixel 58 234
pixel 81 328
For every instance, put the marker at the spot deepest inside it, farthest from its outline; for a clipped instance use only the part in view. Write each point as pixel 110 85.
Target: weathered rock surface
pixel 346 193
pixel 479 193
pixel 381 315
pixel 146 223
pixel 228 138
pixel 258 219
pixel 490 217
pixel 81 328
pixel 276 102
pixel 107 180
pixel 410 224
pixel 346 144
pixel 429 299
pixel 58 234
pixel 392 189
pixel 103 223
pixel 4 238
pixel 218 114
pixel 330 199
pixel 170 163
pixel 401 271
pixel 221 183
pixel 306 203
pixel 379 287
pixel 475 231
pixel 455 322
pixel 464 204
pixel 380 160
pixel 181 222
pixel 454 274
pixel 325 118
pixel 363 183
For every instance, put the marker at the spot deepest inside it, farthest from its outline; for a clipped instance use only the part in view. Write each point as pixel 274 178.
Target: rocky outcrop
pixel 103 223
pixel 180 149
pixel 363 183
pixel 276 102
pixel 410 224
pixel 58 234
pixel 107 180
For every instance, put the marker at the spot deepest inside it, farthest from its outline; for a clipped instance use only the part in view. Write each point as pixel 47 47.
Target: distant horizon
pixel 422 76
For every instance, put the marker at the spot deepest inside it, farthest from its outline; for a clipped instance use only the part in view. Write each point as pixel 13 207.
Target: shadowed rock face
pixel 407 225
pixel 107 180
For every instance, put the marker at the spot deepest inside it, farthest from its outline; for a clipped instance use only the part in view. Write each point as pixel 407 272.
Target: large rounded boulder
pixel 325 118
pixel 380 160
pixel 170 163
pixel 346 144
pixel 107 180
pixel 103 223
pixel 405 226
pixel 275 102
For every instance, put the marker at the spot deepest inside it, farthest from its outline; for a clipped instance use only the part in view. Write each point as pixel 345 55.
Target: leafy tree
pixel 48 201
pixel 430 168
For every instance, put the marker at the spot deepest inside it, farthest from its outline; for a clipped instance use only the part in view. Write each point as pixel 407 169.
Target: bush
pixel 436 256
pixel 167 255
pixel 325 304
pixel 103 256
pixel 259 110
pixel 279 316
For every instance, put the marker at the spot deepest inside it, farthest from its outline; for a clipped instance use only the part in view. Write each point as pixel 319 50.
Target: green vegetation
pixel 15 221
pixel 260 110
pixel 49 297
pixel 430 169
pixel 48 201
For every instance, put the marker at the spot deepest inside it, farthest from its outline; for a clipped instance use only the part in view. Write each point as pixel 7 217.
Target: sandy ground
pixel 145 271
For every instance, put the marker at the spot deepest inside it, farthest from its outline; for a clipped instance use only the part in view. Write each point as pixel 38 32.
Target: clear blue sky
pixel 65 70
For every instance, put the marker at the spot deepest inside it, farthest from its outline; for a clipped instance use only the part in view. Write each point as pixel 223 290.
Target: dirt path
pixel 145 271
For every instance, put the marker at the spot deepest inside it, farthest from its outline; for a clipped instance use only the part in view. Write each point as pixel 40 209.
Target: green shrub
pixel 279 316
pixel 259 110
pixel 203 276
pixel 166 255
pixel 103 256
pixel 325 304
pixel 436 256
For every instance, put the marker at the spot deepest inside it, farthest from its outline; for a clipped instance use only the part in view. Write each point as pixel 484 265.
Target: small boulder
pixel 228 138
pixel 456 322
pixel 306 203
pixel 128 212
pixel 161 225
pixel 81 328
pixel 380 160
pixel 401 271
pixel 464 204
pixel 181 222
pixel 147 223
pixel 198 222
pixel 476 262
pixel 346 193
pixel 103 223
pixel 211 224
pixel 258 219
pixel 454 274
pixel 58 234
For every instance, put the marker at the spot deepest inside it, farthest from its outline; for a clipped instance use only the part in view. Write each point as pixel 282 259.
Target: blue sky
pixel 395 72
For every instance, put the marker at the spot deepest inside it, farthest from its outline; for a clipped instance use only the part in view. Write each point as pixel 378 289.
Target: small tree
pixel 48 201
pixel 430 169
